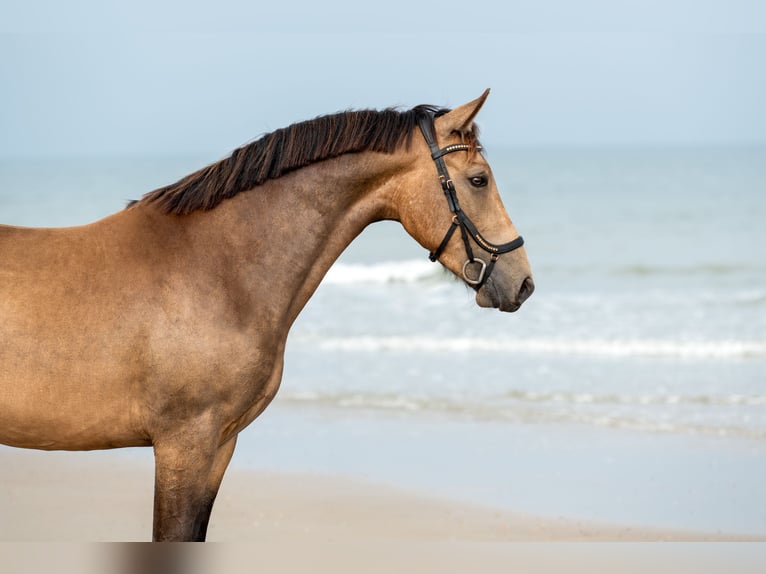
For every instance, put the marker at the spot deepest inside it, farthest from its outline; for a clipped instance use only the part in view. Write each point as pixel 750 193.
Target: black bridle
pixel 459 218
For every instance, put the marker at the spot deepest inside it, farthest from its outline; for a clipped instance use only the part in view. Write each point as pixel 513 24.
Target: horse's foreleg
pixel 183 466
pixel 220 463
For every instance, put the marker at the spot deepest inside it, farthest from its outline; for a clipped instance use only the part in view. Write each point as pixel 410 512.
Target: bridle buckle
pixel 482 270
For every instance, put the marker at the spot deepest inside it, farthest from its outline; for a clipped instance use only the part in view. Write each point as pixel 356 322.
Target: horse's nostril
pixel 527 288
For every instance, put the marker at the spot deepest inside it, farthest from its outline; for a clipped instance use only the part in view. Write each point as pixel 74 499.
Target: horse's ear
pixel 460 119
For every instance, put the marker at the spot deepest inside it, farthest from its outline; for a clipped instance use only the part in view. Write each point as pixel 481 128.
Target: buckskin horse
pixel 165 324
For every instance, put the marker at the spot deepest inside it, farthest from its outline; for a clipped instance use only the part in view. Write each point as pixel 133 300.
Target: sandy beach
pixel 296 522
pixel 82 497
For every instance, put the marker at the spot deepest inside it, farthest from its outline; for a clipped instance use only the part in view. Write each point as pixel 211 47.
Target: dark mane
pixel 289 149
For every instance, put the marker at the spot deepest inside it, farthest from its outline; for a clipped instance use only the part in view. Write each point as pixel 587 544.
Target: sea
pixel 630 388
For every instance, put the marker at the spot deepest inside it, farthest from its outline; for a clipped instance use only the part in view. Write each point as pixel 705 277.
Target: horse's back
pixel 25 258
pixel 35 263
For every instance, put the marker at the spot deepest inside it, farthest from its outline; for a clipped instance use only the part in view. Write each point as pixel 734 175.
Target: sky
pixel 96 78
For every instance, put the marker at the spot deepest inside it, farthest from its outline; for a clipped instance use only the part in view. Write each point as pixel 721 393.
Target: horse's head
pixel 452 208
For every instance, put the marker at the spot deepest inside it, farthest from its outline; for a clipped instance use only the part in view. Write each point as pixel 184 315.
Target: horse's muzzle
pixel 491 295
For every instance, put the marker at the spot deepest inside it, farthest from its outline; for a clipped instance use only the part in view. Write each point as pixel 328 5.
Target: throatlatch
pixel 459 219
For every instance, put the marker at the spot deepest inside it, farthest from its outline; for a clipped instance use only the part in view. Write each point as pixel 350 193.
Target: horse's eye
pixel 478 181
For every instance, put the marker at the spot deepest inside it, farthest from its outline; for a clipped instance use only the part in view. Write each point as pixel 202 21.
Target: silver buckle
pixel 481 271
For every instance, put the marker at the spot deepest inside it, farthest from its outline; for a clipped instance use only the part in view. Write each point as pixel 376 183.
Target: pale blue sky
pixel 175 78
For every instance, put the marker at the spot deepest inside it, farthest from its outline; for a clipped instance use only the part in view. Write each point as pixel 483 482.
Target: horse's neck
pixel 281 238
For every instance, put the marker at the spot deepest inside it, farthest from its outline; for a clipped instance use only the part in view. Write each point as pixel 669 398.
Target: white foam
pixel 724 349
pixel 560 407
pixel 409 271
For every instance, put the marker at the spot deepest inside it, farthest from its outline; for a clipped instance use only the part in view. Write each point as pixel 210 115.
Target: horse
pixel 165 324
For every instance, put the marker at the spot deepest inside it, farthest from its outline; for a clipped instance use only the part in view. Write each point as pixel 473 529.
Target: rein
pixel 459 219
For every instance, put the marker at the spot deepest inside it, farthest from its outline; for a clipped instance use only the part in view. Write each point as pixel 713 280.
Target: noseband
pixel 459 218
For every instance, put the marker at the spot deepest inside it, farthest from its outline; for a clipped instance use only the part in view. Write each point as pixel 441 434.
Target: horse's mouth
pixel 490 296
pixel 510 308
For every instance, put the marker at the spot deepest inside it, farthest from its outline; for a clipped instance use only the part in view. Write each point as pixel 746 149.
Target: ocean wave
pixel 408 271
pixel 702 269
pixel 639 270
pixel 657 399
pixel 724 349
pixel 601 410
